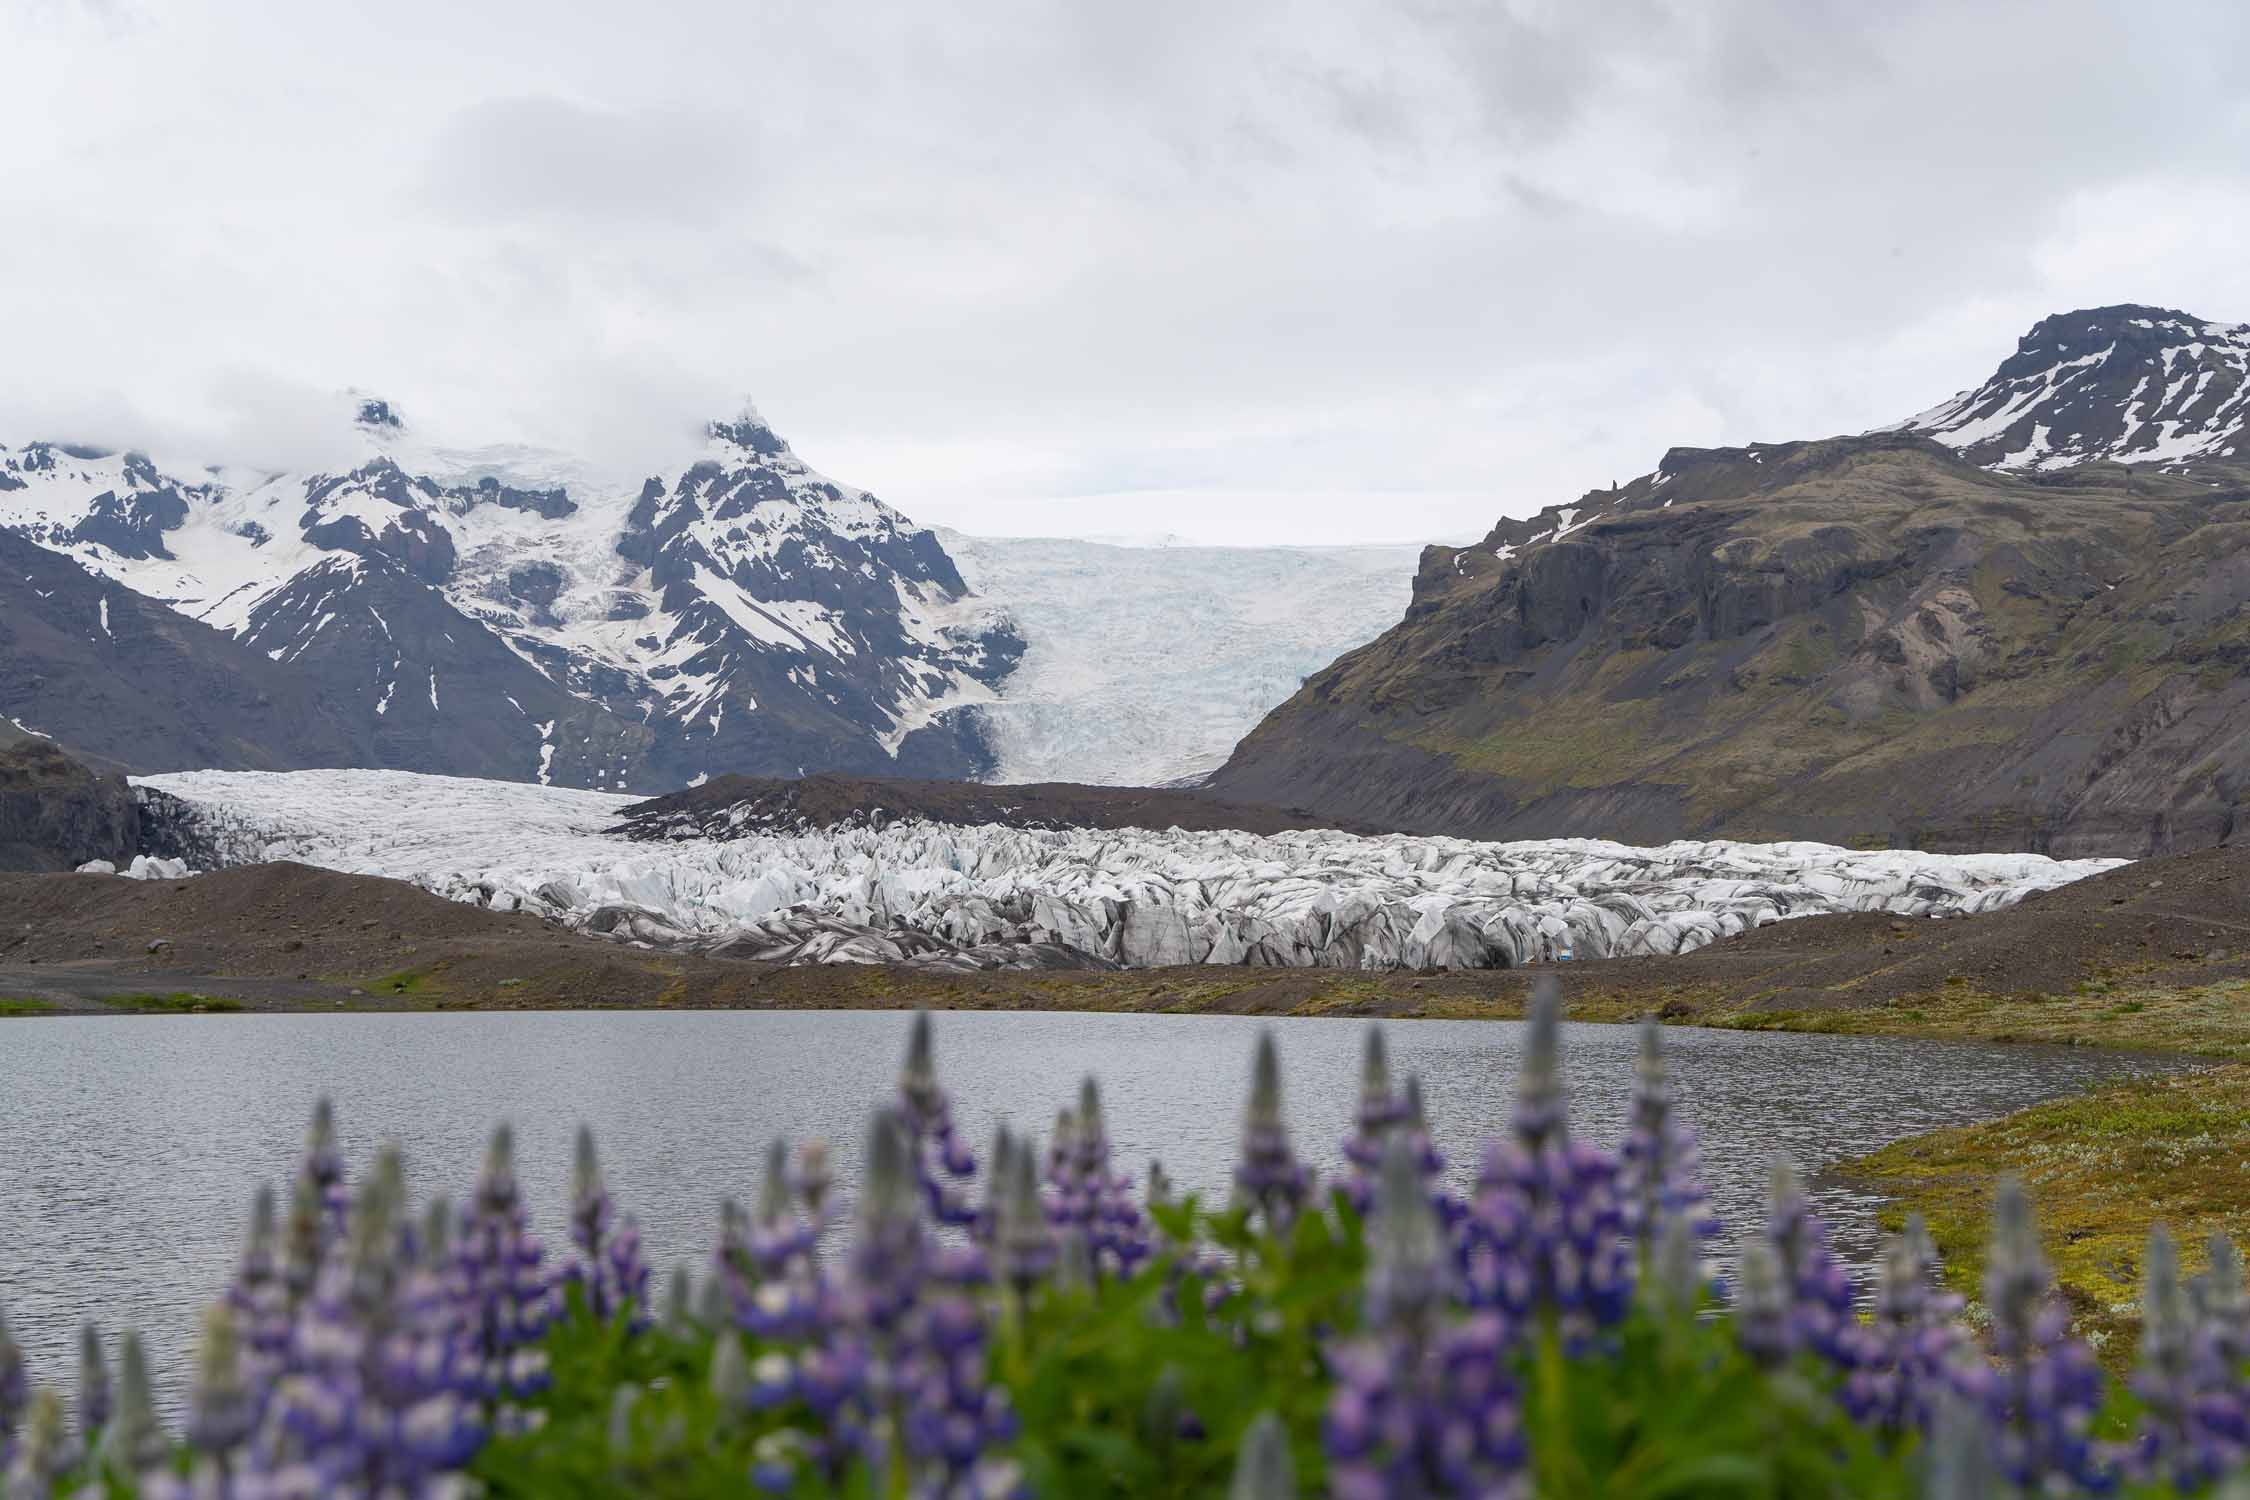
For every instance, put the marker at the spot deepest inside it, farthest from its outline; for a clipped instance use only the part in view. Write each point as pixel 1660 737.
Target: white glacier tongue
pixel 989 896
pixel 1143 665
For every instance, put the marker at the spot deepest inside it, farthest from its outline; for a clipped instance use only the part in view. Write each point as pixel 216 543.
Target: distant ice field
pixel 992 896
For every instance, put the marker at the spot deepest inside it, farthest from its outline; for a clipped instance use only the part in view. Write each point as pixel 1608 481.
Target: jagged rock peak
pixel 748 430
pixel 2129 383
pixel 376 414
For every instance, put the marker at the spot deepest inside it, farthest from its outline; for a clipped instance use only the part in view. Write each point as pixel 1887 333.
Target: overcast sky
pixel 1242 271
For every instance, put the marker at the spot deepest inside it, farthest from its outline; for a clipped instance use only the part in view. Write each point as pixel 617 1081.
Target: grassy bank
pixel 2102 1168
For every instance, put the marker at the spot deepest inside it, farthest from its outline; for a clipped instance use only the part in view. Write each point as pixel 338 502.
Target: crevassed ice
pixel 1152 897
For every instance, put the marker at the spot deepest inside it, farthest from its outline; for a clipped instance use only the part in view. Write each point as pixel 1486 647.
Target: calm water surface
pixel 129 1146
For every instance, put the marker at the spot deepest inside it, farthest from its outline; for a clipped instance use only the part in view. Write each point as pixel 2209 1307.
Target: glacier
pixel 1144 664
pixel 989 896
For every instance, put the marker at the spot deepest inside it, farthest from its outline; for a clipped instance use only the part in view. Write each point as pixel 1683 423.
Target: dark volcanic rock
pixel 1861 640
pixel 56 815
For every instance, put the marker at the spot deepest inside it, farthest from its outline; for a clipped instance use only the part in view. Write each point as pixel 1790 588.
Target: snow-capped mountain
pixel 2018 620
pixel 2133 384
pixel 517 613
pixel 1144 664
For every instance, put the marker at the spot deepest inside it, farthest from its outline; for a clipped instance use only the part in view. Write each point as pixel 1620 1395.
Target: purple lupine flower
pixel 1092 1204
pixel 1907 1355
pixel 321 1170
pixel 2044 1395
pixel 889 1255
pixel 2222 1304
pixel 369 1404
pixel 943 1162
pixel 2194 1426
pixel 1545 1234
pixel 44 1452
pixel 1380 1110
pixel 15 1392
pixel 1659 1164
pixel 1818 1287
pixel 607 1266
pixel 813 1178
pixel 93 1385
pixel 507 1298
pixel 1420 1408
pixel 1270 1180
pixel 1765 1322
pixel 768 1270
pixel 953 1415
pixel 259 1295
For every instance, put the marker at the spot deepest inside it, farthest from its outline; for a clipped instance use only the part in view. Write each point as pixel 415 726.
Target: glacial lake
pixel 129 1146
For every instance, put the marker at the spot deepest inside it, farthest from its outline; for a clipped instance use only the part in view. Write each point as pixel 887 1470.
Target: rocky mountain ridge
pixel 513 613
pixel 1865 640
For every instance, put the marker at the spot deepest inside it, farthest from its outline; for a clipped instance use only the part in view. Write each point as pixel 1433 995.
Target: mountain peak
pixel 2128 383
pixel 749 431
pixel 375 414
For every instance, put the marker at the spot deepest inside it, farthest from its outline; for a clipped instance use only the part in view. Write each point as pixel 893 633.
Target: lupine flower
pixel 1818 1287
pixel 1545 1235
pixel 1765 1324
pixel 1419 1408
pixel 2045 1393
pixel 507 1300
pixel 2222 1303
pixel 221 1404
pixel 607 1266
pixel 943 1162
pixel 1093 1204
pixel 369 1404
pixel 93 1384
pixel 1675 1280
pixel 15 1391
pixel 44 1452
pixel 322 1171
pixel 1023 1245
pixel 1380 1109
pixel 1271 1181
pixel 2195 1427
pixel 1263 1469
pixel 679 1302
pixel 134 1442
pixel 258 1294
pixel 1659 1164
pixel 1905 1356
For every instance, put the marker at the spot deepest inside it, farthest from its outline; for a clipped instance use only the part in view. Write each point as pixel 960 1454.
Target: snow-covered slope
pixel 989 895
pixel 1143 664
pixel 2129 383
pixel 728 609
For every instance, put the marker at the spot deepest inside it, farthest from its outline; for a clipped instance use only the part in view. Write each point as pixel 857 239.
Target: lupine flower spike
pixel 1817 1286
pixel 607 1266
pixel 2048 1386
pixel 1660 1164
pixel 1271 1180
pixel 44 1452
pixel 1908 1352
pixel 1546 1236
pixel 93 1385
pixel 507 1300
pixel 2195 1427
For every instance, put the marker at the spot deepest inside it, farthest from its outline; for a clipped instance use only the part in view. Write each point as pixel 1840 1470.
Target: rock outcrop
pixel 55 814
pixel 1864 640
